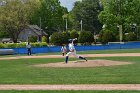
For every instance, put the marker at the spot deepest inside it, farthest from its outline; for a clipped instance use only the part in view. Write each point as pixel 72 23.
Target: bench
pixel 7 52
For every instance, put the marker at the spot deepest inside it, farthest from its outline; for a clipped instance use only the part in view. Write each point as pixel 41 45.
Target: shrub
pixel 106 36
pixel 11 45
pixel 44 39
pixel 59 38
pixel 2 45
pixel 33 39
pixel 86 38
pixel 65 37
pixel 74 34
pixel 43 44
pixel 131 36
pixel 39 44
pixel 21 45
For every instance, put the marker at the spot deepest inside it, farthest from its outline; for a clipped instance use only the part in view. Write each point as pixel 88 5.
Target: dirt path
pixel 73 87
pixel 86 55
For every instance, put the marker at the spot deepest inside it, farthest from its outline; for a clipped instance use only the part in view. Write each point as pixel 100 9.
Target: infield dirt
pixel 80 63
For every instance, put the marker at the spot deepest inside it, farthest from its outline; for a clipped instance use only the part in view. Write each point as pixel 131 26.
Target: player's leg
pixel 63 54
pixel 67 57
pixel 80 57
pixel 74 54
pixel 28 51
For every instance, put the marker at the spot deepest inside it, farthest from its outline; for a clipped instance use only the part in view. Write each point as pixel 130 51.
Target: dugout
pixel 7 52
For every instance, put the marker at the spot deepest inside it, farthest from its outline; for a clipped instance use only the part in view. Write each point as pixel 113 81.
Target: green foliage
pixel 3 34
pixel 36 44
pixel 86 38
pixel 131 36
pixel 21 45
pixel 120 12
pixel 44 39
pixel 59 38
pixel 106 36
pixel 74 34
pixel 32 39
pixel 14 17
pixel 87 11
pixel 2 45
pixel 50 12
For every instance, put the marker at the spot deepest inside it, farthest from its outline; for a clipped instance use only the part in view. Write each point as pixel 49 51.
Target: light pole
pixel 136 30
pixel 40 25
pixel 40 22
pixel 65 18
pixel 66 23
pixel 120 32
pixel 81 23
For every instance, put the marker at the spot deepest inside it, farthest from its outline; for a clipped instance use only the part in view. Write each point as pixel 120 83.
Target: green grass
pixel 110 51
pixel 21 72
pixel 14 91
pixel 87 52
pixel 102 51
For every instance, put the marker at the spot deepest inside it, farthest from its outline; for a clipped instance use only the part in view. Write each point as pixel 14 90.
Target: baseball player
pixel 72 51
pixel 28 46
pixel 63 50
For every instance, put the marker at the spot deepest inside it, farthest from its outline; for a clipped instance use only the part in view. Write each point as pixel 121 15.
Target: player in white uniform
pixel 63 50
pixel 72 51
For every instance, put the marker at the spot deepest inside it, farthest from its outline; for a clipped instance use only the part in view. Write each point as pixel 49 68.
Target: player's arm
pixel 74 40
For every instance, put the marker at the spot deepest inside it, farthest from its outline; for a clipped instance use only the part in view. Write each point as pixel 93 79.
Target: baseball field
pixel 106 71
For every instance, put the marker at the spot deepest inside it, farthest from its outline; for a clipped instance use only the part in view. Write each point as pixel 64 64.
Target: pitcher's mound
pixel 89 63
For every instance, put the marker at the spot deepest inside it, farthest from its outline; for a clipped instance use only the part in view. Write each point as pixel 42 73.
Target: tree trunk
pixel 15 40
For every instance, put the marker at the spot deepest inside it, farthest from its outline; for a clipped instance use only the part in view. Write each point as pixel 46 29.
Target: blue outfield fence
pixel 128 45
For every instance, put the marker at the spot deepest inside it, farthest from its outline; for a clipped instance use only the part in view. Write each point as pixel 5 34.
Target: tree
pixel 74 34
pixel 106 36
pixel 60 38
pixel 86 38
pixel 87 11
pixel 120 12
pixel 3 34
pixel 14 17
pixel 49 16
pixel 130 36
pixel 32 39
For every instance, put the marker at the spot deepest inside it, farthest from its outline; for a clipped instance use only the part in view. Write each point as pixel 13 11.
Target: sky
pixel 68 3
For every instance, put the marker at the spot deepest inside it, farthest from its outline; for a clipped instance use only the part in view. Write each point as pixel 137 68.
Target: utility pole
pixel 66 23
pixel 81 22
pixel 120 32
pixel 40 22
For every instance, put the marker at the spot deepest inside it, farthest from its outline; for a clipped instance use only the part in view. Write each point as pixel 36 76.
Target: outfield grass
pixel 102 51
pixel 21 72
pixel 87 52
pixel 110 51
pixel 14 91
